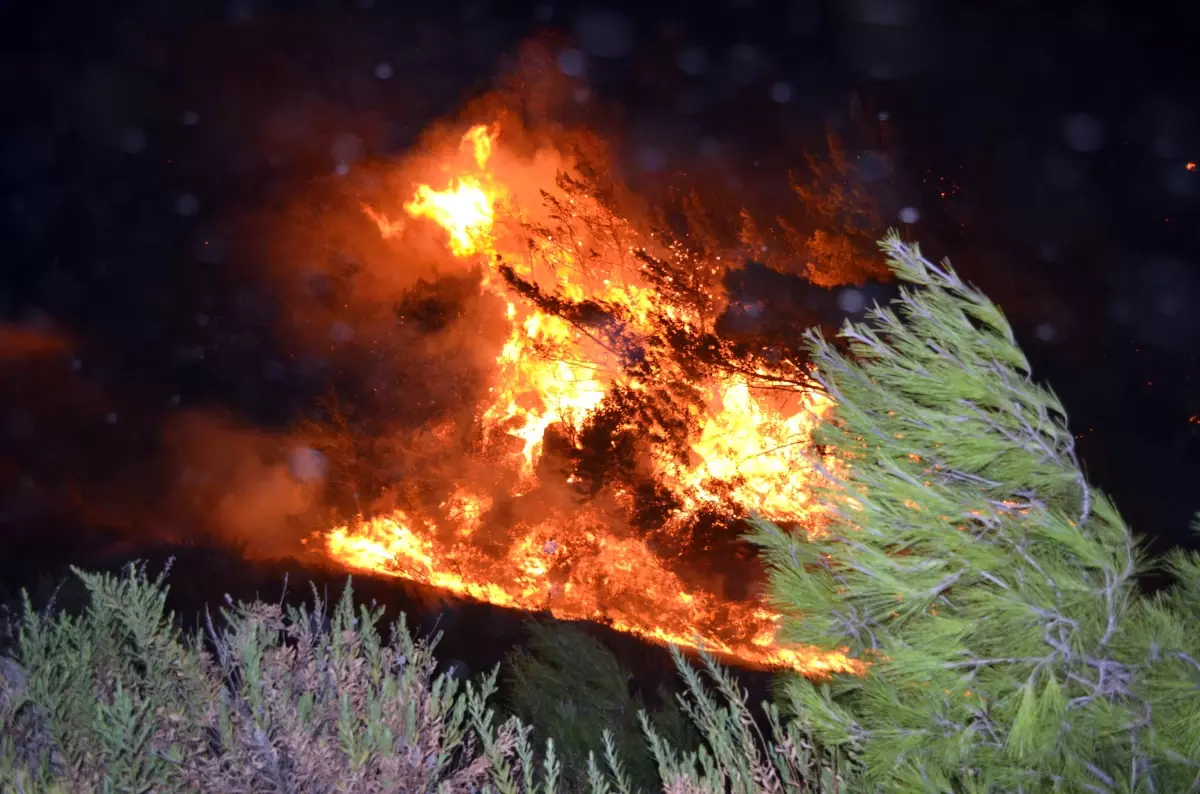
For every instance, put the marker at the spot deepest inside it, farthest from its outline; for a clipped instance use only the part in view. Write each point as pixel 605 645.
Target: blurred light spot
pixel 1045 332
pixel 582 94
pixel 190 118
pixel 710 147
pixel 201 320
pixel 1083 132
pixel 690 102
pixel 347 148
pixel 692 61
pixel 208 249
pixel 1063 169
pixel 384 71
pixel 874 166
pixel 187 205
pixel 651 159
pixel 1165 146
pixel 133 141
pixel 781 92
pixel 341 332
pixel 851 301
pixel 1190 166
pixel 909 215
pixel 1180 183
pixel 883 115
pixel 111 418
pixel 886 12
pixel 239 11
pixel 307 464
pixel 544 13
pixel 572 63
pixel 803 18
pixel 603 33
pixel 746 63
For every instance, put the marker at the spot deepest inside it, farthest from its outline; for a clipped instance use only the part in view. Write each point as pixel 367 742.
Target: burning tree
pixel 605 468
pixel 990 587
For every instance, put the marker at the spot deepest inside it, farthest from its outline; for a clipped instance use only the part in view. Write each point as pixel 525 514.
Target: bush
pixel 115 700
pixel 567 685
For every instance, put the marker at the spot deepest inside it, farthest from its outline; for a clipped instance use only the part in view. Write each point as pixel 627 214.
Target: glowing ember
pixel 747 452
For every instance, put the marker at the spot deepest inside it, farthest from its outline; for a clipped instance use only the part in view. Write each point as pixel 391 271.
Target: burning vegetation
pixel 604 469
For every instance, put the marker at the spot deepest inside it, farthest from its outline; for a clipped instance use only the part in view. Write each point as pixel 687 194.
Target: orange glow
pixel 748 452
pixel 1191 166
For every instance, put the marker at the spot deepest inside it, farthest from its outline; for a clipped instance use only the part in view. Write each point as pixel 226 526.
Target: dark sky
pixel 1044 145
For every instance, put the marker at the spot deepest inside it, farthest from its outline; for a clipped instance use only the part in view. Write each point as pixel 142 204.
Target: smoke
pixel 112 471
pixel 24 341
pixel 245 487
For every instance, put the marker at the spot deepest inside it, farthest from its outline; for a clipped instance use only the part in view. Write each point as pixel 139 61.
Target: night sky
pixel 145 145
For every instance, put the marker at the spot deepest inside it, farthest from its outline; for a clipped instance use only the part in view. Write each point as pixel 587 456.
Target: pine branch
pixel 989 586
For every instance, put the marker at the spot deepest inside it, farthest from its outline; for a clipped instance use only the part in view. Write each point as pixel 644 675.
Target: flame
pixel 749 452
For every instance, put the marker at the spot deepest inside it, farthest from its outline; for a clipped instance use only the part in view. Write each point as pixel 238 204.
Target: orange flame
pixel 750 453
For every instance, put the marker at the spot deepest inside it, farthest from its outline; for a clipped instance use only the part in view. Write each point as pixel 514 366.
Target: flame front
pixel 748 452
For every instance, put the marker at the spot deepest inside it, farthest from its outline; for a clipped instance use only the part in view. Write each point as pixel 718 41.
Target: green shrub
pixel 114 700
pixel 569 686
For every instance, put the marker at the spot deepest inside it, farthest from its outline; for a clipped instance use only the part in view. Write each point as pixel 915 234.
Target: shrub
pixel 569 686
pixel 114 700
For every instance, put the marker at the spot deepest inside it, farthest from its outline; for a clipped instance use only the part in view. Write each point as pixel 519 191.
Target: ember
pixel 597 318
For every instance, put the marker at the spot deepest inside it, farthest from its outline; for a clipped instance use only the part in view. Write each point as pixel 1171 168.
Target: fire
pixel 465 210
pixel 747 451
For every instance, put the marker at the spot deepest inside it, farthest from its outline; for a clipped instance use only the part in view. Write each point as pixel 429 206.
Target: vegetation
pixel 991 589
pixel 570 686
pixel 304 700
pixel 990 586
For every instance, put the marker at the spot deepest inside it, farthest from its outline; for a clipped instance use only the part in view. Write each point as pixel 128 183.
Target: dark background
pixel 1044 145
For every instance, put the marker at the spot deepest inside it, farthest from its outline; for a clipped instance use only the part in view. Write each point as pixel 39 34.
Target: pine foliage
pixel 989 586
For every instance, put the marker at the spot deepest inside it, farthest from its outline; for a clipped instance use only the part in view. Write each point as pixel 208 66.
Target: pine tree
pixel 990 588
